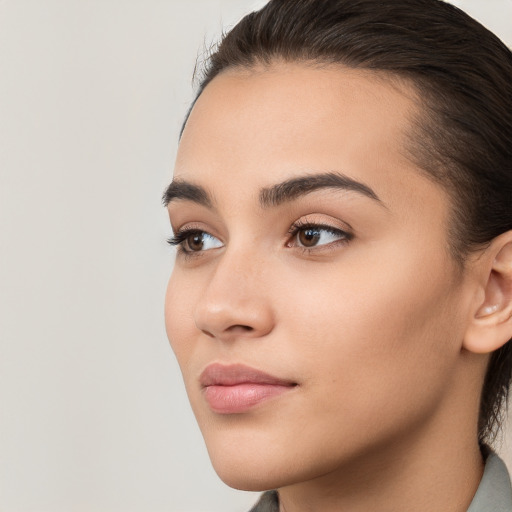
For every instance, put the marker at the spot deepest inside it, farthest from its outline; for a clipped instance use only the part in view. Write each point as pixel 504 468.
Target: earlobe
pixel 491 325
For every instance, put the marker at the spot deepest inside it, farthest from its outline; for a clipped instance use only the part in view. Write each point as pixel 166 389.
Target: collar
pixel 494 494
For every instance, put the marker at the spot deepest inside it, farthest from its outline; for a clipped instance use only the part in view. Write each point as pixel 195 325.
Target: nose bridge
pixel 235 298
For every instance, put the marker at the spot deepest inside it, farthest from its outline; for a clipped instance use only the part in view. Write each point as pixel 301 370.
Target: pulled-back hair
pixel 462 136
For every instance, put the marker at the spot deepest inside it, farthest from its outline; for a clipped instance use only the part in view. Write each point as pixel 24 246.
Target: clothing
pixel 494 494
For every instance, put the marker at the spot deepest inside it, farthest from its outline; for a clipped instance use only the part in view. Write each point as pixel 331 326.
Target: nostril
pixel 232 330
pixel 241 328
pixel 208 333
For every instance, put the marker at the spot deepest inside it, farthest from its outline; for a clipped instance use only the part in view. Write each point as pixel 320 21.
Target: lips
pixel 233 389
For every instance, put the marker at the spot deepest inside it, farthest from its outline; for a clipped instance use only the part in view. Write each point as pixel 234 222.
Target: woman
pixel 341 302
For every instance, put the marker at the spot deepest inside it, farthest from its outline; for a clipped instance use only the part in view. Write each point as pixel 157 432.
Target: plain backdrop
pixel 93 414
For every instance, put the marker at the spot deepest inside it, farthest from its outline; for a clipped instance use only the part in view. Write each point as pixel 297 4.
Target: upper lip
pixel 218 374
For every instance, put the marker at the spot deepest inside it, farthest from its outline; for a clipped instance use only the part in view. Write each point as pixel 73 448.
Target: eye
pixel 313 235
pixel 194 240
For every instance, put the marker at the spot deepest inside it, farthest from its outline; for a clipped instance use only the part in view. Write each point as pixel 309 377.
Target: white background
pixel 93 414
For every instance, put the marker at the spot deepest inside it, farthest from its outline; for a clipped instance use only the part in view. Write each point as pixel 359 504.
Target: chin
pixel 260 463
pixel 246 481
pixel 251 475
pixel 247 469
pixel 250 464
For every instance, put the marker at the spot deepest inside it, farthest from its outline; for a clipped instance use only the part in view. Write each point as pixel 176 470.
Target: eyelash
pixel 181 236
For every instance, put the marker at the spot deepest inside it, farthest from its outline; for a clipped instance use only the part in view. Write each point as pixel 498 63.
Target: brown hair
pixel 462 74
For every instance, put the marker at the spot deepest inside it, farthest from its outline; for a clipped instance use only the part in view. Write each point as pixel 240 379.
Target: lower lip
pixel 241 397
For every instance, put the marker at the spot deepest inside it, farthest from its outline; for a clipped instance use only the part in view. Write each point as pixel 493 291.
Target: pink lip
pixel 232 389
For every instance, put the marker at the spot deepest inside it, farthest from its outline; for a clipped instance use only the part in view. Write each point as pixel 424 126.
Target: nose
pixel 235 303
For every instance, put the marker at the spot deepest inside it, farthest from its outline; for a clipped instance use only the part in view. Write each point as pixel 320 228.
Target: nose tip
pixel 236 301
pixel 227 317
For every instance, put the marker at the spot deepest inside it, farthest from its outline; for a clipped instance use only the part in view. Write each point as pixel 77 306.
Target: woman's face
pixel 314 308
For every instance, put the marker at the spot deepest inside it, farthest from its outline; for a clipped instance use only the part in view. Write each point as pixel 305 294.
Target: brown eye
pixel 312 235
pixel 194 242
pixel 308 237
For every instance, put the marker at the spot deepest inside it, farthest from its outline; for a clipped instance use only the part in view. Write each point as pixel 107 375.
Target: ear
pixel 491 324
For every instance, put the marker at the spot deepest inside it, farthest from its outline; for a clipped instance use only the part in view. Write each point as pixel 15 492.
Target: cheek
pixel 382 338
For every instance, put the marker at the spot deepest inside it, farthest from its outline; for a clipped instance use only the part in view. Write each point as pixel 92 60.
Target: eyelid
pixel 320 221
pixel 189 226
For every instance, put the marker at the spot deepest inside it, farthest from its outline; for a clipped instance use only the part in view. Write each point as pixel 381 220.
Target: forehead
pixel 252 128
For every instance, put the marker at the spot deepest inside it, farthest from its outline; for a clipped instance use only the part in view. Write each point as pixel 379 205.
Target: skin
pixel 371 327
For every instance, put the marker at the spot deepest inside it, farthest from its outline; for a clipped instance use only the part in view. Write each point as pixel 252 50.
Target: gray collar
pixel 494 494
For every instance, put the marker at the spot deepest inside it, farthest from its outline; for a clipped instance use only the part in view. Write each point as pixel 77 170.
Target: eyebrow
pixel 295 187
pixel 276 194
pixel 180 189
